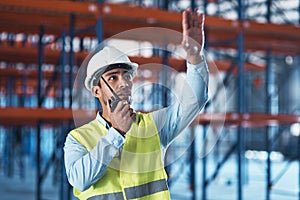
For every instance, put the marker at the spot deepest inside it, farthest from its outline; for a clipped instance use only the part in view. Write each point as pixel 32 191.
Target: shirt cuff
pixel 115 138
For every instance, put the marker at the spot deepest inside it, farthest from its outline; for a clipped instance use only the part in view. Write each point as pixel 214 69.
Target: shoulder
pixel 89 134
pixel 87 128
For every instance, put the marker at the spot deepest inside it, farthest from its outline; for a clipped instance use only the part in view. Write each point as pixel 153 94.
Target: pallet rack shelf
pixel 28 16
pixel 25 116
pixel 29 55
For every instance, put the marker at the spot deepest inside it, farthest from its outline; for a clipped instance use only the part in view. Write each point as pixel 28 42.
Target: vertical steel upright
pixel 268 107
pixel 161 87
pixel 204 182
pixel 203 156
pixel 66 185
pixel 268 86
pixel 39 126
pixel 164 77
pixel 62 193
pixel 99 23
pixel 165 4
pixel 63 65
pixel 205 4
pixel 299 148
pixel 298 70
pixel 193 163
pixel 40 65
pixel 193 4
pixel 241 107
pixel 71 56
pixel 269 12
pixel 299 17
pixel 99 33
pixel 8 151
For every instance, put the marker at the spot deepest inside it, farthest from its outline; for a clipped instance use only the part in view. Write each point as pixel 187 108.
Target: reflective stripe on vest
pixel 110 196
pixel 146 189
pixel 136 191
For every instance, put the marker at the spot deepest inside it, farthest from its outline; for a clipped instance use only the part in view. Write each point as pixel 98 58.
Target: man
pixel 118 154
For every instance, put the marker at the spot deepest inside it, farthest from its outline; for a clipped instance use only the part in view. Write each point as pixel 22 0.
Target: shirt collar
pixel 102 121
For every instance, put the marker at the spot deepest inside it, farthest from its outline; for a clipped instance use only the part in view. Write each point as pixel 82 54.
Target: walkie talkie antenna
pixel 112 91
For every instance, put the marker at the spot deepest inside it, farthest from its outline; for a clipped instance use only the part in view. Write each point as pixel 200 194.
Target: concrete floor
pixel 14 188
pixel 222 188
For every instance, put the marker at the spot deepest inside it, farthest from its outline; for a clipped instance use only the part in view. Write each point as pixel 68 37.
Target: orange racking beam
pixel 33 74
pixel 258 36
pixel 30 116
pixel 54 6
pixel 29 22
pixel 29 55
pixel 247 120
pixel 284 39
pixel 15 115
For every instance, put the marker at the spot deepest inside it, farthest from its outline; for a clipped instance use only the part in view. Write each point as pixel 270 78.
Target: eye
pixel 112 78
pixel 128 76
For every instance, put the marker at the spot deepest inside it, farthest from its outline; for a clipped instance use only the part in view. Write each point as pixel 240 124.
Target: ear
pixel 96 90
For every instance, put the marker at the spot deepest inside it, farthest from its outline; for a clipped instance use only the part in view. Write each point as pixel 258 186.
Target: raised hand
pixel 193 35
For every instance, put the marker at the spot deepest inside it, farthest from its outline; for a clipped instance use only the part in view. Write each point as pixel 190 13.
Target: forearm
pixel 195 93
pixel 191 98
pixel 85 168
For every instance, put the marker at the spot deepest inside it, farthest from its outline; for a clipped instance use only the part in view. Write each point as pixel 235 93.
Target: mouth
pixel 124 94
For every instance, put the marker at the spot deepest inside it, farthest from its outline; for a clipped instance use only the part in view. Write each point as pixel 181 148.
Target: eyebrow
pixel 115 72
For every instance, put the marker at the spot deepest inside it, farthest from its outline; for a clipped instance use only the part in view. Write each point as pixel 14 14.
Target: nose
pixel 123 83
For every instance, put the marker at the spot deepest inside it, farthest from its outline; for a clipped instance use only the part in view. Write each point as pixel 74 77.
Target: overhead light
pixel 295 129
pixel 289 60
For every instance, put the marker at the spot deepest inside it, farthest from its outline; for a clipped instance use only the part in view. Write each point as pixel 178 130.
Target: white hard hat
pixel 106 59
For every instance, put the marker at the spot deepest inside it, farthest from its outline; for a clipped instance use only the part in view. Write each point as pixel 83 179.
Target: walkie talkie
pixel 114 99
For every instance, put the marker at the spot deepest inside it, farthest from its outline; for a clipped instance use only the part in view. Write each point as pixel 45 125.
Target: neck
pixel 106 118
pixel 104 113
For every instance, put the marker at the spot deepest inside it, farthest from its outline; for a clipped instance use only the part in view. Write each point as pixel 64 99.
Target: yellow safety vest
pixel 138 173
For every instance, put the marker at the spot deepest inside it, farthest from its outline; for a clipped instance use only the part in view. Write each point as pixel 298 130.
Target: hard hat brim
pixel 131 66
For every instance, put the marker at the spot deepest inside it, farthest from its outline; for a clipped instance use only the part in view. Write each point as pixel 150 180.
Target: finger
pixel 186 20
pixel 123 107
pixel 126 110
pixel 195 17
pixel 200 20
pixel 119 106
pixel 187 24
pixel 202 16
pixel 132 114
pixel 188 17
pixel 191 19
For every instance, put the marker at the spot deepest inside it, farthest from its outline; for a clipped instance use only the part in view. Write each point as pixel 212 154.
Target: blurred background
pixel 244 145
